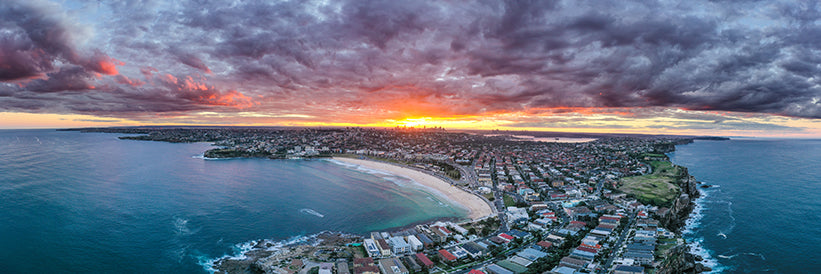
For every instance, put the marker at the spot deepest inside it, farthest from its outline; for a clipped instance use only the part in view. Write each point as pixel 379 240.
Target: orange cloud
pixel 104 64
pixel 232 98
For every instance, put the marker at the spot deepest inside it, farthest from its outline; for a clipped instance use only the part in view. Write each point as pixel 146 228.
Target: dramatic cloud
pixel 373 60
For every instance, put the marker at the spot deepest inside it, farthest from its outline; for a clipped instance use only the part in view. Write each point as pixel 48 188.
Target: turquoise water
pixel 764 215
pixel 89 202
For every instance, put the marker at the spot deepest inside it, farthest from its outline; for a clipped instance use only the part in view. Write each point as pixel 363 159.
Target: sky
pixel 732 68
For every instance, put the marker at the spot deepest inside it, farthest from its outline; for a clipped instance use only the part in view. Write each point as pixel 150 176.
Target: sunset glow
pixel 473 65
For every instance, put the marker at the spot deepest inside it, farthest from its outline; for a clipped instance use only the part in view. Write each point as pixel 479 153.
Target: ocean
pixel 763 214
pixel 89 202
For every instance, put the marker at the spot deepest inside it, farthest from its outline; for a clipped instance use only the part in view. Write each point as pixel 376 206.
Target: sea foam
pixel 312 212
pixel 241 249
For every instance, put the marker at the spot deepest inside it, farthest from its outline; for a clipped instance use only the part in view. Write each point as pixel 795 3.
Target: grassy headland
pixel 658 188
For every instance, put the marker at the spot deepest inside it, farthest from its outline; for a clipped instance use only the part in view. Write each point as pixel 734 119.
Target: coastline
pixel 695 243
pixel 477 208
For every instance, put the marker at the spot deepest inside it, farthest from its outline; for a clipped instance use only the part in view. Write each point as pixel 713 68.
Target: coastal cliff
pixel 679 259
pixel 680 211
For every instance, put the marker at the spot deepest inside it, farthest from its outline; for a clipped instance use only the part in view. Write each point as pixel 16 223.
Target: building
pixel 392 266
pixel 495 269
pixel 399 246
pixel 342 268
pixel 446 255
pixel 628 269
pixel 384 248
pixel 364 266
pixel 371 248
pixel 545 245
pixel 516 215
pixel 415 243
pixel 422 258
pixel 326 268
pixel 410 262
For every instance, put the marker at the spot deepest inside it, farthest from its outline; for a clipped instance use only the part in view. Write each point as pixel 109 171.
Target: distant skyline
pixel 729 68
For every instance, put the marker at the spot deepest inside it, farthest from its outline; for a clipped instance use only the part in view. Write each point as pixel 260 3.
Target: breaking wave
pixel 312 212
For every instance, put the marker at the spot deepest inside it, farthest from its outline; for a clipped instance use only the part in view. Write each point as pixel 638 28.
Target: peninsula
pixel 605 204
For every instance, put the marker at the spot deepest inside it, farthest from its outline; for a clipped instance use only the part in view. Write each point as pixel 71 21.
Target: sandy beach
pixel 477 207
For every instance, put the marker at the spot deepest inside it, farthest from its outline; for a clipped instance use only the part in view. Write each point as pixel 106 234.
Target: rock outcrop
pixel 679 260
pixel 680 211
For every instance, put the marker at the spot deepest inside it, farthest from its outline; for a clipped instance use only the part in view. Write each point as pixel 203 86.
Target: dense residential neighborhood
pixel 559 207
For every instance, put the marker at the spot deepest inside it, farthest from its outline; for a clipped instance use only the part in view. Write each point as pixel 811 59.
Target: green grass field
pixel 658 188
pixel 509 201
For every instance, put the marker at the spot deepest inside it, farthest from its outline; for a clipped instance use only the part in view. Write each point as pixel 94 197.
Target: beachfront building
pixel 415 243
pixel 384 248
pixel 371 248
pixel 399 246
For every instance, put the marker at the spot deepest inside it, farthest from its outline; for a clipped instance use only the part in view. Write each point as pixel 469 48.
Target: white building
pixel 399 246
pixel 415 243
pixel 516 215
pixel 371 248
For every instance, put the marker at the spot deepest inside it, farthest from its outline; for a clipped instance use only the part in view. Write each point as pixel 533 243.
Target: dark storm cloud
pixel 410 57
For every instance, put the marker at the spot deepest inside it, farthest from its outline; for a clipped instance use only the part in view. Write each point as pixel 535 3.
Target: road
pixel 618 244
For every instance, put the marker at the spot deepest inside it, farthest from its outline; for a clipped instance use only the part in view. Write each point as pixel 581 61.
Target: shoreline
pixel 696 243
pixel 476 207
pixel 697 254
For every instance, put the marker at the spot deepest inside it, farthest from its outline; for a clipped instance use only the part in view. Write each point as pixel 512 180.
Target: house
pixel 446 255
pixel 573 262
pixel 520 261
pixel 411 263
pixel 628 269
pixel 473 249
pixel 498 240
pixel 506 237
pixel 458 228
pixel 495 269
pixel 555 239
pixel 459 252
pixel 563 270
pixel 510 265
pixel 531 254
pixel 545 245
pixel 364 266
pixel 424 260
pixel 392 266
pixel 575 212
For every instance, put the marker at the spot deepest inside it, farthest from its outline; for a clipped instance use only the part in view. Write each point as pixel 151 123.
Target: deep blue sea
pixel 88 202
pixel 764 213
